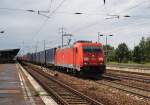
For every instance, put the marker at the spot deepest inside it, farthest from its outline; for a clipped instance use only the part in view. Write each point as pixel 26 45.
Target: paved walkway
pixel 13 89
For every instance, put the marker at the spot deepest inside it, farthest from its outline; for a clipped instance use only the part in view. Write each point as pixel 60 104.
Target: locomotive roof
pixel 78 42
pixel 82 41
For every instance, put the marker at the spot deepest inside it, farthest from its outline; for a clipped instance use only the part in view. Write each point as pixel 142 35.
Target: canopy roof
pixel 8 55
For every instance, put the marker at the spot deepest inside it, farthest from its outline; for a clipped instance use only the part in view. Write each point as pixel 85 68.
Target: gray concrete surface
pixel 15 89
pixel 10 89
pixel 47 100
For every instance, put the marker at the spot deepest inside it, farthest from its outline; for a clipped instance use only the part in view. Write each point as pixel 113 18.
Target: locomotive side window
pixel 76 50
pixel 92 49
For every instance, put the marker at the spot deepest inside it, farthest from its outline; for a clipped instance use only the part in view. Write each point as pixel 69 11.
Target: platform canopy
pixel 8 55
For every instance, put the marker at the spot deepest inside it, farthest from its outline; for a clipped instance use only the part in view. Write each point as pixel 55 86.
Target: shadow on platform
pixel 8 62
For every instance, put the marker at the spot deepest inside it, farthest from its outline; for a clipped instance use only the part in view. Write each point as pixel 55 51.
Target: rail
pixel 130 66
pixel 129 89
pixel 63 93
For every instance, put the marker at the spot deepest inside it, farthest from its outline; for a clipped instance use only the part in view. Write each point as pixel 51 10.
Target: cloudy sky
pixel 28 29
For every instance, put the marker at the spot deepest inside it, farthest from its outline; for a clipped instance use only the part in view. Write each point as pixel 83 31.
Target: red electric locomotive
pixel 84 58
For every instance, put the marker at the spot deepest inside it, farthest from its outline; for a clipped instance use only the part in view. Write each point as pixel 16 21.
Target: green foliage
pixel 110 52
pixel 122 53
pixel 37 93
pixel 147 50
pixel 140 53
pixel 137 54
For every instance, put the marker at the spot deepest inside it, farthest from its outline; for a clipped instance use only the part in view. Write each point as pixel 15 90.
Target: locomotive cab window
pixel 92 49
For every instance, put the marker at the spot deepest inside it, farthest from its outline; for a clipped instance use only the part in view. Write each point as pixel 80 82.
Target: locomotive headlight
pixel 85 63
pixel 100 59
pixel 85 58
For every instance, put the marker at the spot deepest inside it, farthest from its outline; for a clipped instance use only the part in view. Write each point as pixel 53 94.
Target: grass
pixel 37 94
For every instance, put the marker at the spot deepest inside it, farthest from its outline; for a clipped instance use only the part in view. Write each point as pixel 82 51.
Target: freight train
pixel 84 58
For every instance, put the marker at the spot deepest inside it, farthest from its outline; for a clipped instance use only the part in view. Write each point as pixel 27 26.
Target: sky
pixel 28 30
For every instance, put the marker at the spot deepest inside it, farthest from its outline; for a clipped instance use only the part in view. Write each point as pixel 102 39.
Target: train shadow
pixel 110 78
pixel 101 78
pixel 94 78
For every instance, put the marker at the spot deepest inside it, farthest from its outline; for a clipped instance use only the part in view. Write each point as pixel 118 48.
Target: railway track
pixel 128 77
pixel 62 93
pixel 115 81
pixel 136 91
pixel 127 88
pixel 119 81
pixel 140 66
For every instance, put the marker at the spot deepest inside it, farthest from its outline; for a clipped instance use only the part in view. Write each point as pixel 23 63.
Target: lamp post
pixel 99 36
pixel 106 46
pixel 106 39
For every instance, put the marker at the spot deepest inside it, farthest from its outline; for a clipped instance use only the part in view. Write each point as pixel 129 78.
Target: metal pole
pixel 23 48
pixel 106 49
pixel 36 48
pixel 44 44
pixel 68 35
pixel 98 36
pixel 45 52
pixel 62 33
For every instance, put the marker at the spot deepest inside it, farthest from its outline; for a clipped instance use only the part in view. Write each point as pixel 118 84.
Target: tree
pixel 141 53
pixel 137 54
pixel 122 53
pixel 147 49
pixel 130 55
pixel 142 46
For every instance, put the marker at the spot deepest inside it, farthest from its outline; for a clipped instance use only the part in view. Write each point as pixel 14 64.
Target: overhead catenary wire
pixel 50 6
pixel 88 25
pixel 40 28
pixel 126 10
pixel 115 15
pixel 134 7
pixel 56 42
pixel 25 10
pixel 140 17
pixel 45 21
pixel 53 12
pixel 132 25
pixel 48 44
pixel 57 7
pixel 13 9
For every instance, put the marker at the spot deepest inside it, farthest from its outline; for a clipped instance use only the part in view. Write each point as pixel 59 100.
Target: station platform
pixel 15 88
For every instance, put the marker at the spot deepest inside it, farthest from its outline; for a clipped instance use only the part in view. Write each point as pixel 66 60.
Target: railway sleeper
pixel 78 103
pixel 73 98
pixel 63 92
pixel 55 92
pixel 69 97
pixel 67 94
